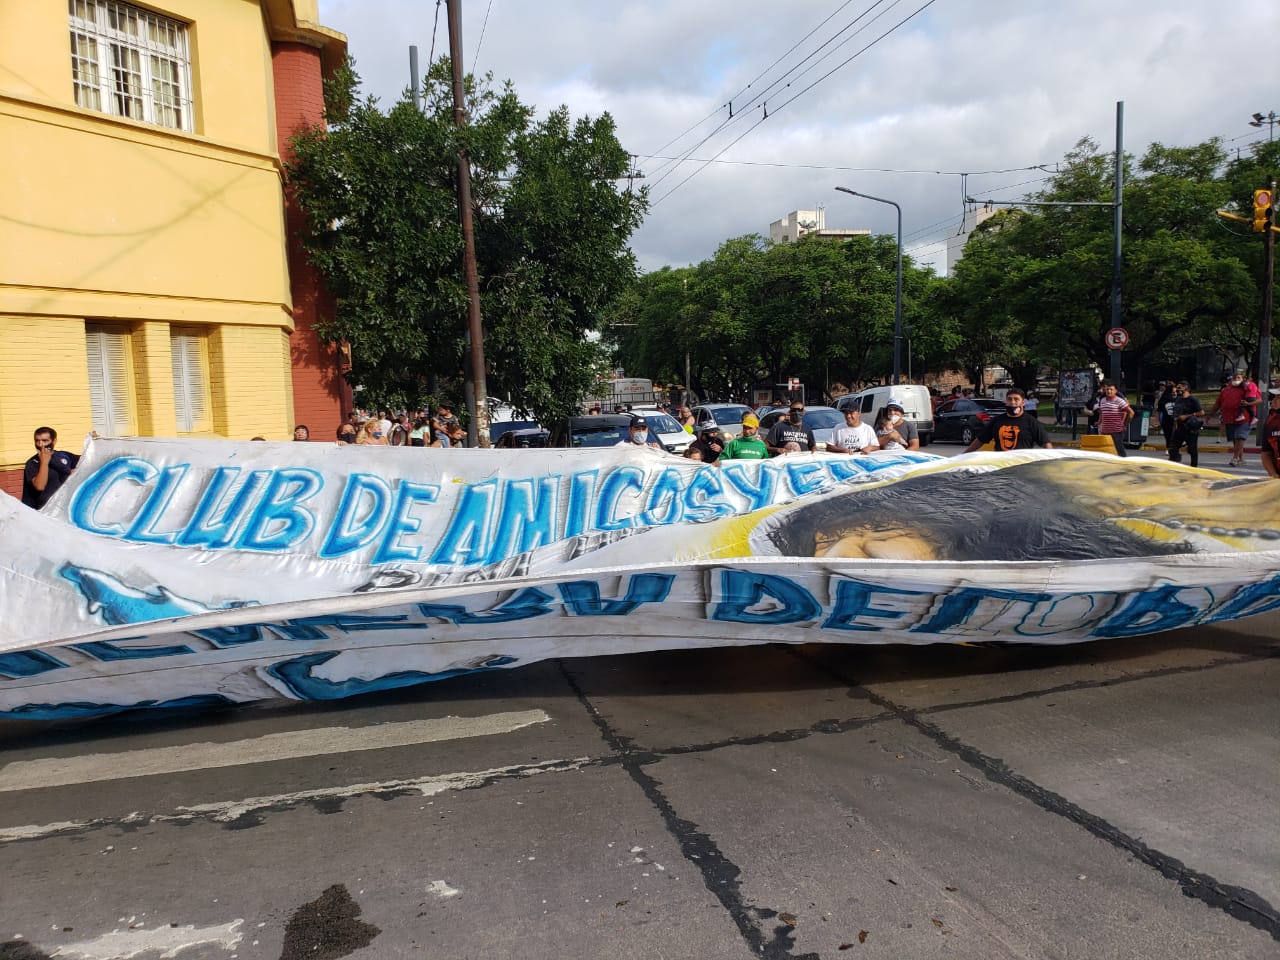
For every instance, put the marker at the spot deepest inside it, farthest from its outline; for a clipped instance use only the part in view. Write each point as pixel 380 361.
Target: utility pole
pixel 1268 289
pixel 1117 226
pixel 478 392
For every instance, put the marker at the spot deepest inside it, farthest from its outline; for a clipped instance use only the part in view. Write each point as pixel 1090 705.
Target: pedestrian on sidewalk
pixel 1237 405
pixel 1114 414
pixel 1189 418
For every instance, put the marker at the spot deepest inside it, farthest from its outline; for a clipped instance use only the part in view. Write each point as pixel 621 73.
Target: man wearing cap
pixel 708 447
pixel 855 436
pixel 1269 435
pixel 1015 429
pixel 791 429
pixel 638 435
pixel 748 446
pixel 893 430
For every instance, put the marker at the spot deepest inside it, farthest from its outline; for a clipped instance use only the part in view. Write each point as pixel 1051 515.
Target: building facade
pixel 150 282
pixel 800 223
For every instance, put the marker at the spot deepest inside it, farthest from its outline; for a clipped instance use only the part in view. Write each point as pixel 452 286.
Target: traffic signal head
pixel 1262 201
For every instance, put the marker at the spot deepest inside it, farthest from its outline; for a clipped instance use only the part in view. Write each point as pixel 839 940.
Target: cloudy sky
pixel 962 86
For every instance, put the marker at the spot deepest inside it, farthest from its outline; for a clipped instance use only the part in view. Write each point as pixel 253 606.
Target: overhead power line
pixel 846 62
pixel 759 96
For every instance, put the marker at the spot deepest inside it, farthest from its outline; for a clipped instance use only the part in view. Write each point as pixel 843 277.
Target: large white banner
pixel 171 572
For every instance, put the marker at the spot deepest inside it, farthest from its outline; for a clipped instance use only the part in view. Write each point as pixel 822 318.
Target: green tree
pixel 551 227
pixel 1034 286
pixel 818 309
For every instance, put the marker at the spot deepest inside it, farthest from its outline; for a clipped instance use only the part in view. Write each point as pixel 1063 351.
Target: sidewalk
pixel 1061 437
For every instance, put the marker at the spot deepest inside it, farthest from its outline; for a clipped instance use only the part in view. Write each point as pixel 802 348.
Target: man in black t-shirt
pixel 1015 429
pixel 791 429
pixel 46 471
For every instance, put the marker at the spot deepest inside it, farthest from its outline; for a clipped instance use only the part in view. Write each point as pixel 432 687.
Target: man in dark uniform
pixel 1015 429
pixel 47 470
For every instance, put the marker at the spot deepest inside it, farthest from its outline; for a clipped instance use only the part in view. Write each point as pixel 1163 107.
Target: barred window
pixel 130 62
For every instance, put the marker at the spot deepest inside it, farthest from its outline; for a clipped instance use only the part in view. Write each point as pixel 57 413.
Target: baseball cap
pixel 637 423
pixel 896 403
pixel 1274 391
pixel 751 420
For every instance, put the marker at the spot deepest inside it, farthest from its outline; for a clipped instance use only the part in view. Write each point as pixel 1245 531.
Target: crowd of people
pixel 1179 415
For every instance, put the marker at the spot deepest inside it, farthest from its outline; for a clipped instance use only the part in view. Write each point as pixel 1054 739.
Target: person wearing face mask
pixel 638 435
pixel 1269 435
pixel 1188 417
pixel 708 446
pixel 894 431
pixel 789 428
pixel 1015 429
pixel 1237 404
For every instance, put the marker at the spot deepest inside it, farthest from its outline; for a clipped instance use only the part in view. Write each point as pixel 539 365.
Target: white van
pixel 916 405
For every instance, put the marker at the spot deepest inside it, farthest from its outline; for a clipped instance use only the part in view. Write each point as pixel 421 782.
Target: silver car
pixel 726 417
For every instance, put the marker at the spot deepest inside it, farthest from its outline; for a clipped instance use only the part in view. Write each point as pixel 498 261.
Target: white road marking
pixel 154 761
pixel 230 810
pixel 159 944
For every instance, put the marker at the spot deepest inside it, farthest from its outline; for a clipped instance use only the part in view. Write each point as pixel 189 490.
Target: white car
pixel 665 429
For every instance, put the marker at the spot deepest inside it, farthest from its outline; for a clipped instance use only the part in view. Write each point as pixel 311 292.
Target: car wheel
pixel 966 435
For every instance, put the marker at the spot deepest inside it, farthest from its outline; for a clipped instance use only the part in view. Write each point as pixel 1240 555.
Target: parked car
pixel 601 430
pixel 499 428
pixel 917 406
pixel 665 429
pixel 726 417
pixel 522 437
pixel 823 421
pixel 960 418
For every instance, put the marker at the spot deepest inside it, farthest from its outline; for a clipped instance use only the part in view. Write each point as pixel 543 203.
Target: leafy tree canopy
pixel 552 226
pixel 755 313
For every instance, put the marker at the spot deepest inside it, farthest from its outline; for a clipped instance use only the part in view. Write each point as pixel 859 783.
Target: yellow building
pixel 147 281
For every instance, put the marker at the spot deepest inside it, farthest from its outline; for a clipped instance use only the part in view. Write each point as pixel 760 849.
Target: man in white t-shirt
pixel 855 436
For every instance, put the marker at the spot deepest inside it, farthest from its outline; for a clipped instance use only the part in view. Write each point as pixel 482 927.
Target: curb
pixel 1212 448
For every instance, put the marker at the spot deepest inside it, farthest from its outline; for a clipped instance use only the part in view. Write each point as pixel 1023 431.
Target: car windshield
pixel 823 419
pixel 727 416
pixel 661 423
pixel 602 436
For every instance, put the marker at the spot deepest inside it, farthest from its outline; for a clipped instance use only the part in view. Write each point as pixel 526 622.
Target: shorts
pixel 1238 431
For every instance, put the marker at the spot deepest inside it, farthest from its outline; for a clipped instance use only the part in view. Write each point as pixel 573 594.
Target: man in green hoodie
pixel 748 446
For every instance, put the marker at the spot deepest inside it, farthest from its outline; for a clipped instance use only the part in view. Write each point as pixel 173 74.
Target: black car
pixel 961 419
pixel 522 437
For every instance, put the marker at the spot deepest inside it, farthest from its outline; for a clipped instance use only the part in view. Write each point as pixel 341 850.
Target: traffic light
pixel 1261 210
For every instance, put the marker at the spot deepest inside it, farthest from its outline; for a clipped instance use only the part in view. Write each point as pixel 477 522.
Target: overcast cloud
pixel 962 86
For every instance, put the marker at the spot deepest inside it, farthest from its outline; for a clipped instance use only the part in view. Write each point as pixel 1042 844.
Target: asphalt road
pixel 1116 799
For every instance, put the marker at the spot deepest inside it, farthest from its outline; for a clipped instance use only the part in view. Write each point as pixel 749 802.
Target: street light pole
pixel 1271 119
pixel 897 297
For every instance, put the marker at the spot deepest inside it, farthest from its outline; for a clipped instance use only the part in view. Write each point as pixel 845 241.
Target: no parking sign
pixel 1117 338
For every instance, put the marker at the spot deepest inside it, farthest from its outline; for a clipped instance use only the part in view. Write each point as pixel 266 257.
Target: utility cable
pixel 849 60
pixel 759 96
